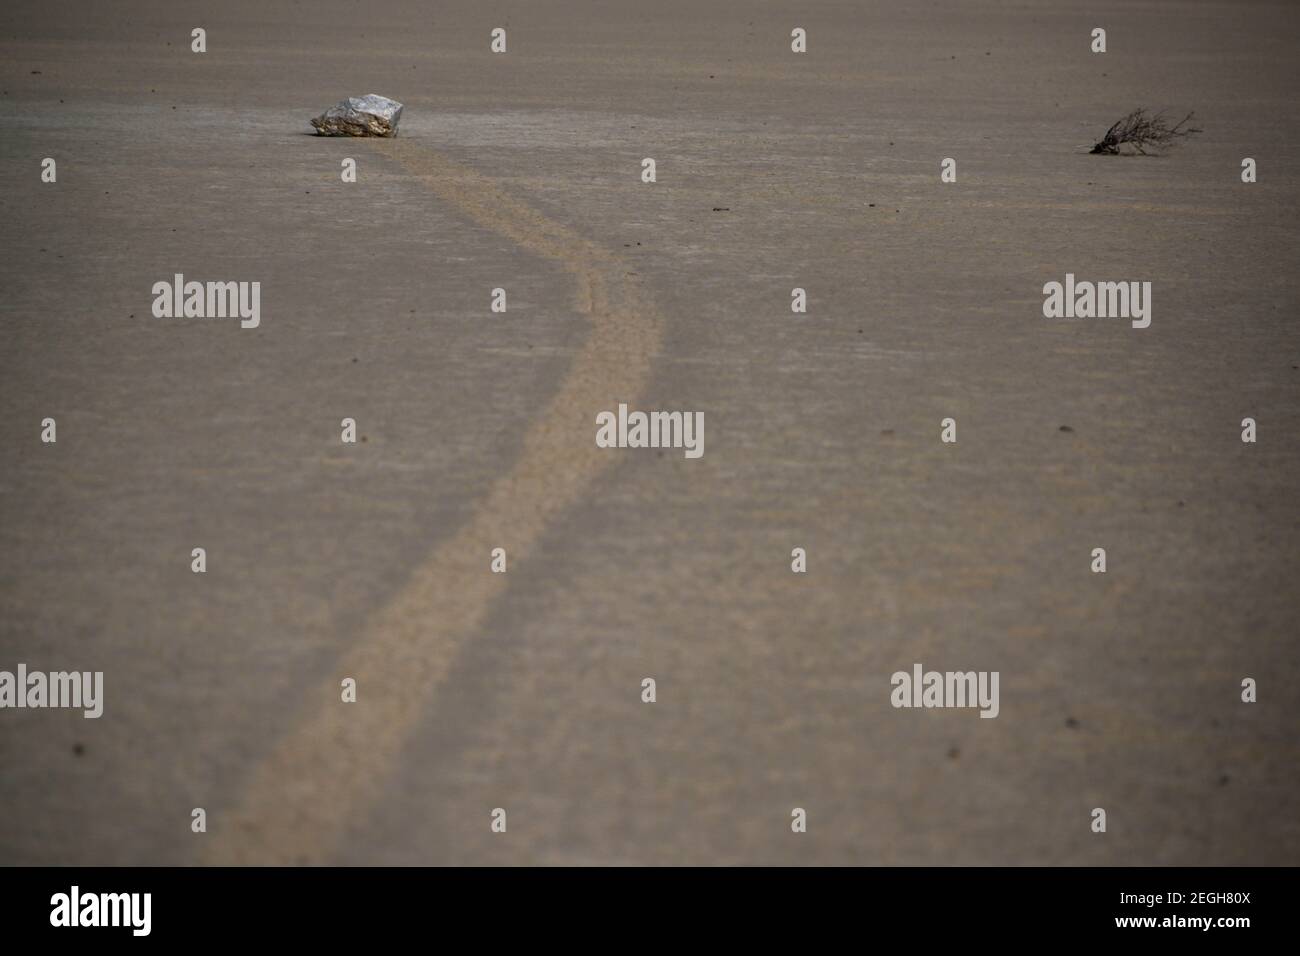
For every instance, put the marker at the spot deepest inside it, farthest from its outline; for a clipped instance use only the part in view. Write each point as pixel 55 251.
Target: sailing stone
pixel 369 115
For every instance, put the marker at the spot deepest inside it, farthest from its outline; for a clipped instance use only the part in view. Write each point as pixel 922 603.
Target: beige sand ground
pixel 523 691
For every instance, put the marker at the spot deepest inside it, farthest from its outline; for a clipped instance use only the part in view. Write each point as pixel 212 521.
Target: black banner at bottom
pixel 305 906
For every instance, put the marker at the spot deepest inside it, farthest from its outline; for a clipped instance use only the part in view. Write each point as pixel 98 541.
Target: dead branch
pixel 1144 131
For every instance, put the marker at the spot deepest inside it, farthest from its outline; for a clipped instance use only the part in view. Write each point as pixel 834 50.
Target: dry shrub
pixel 1144 131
